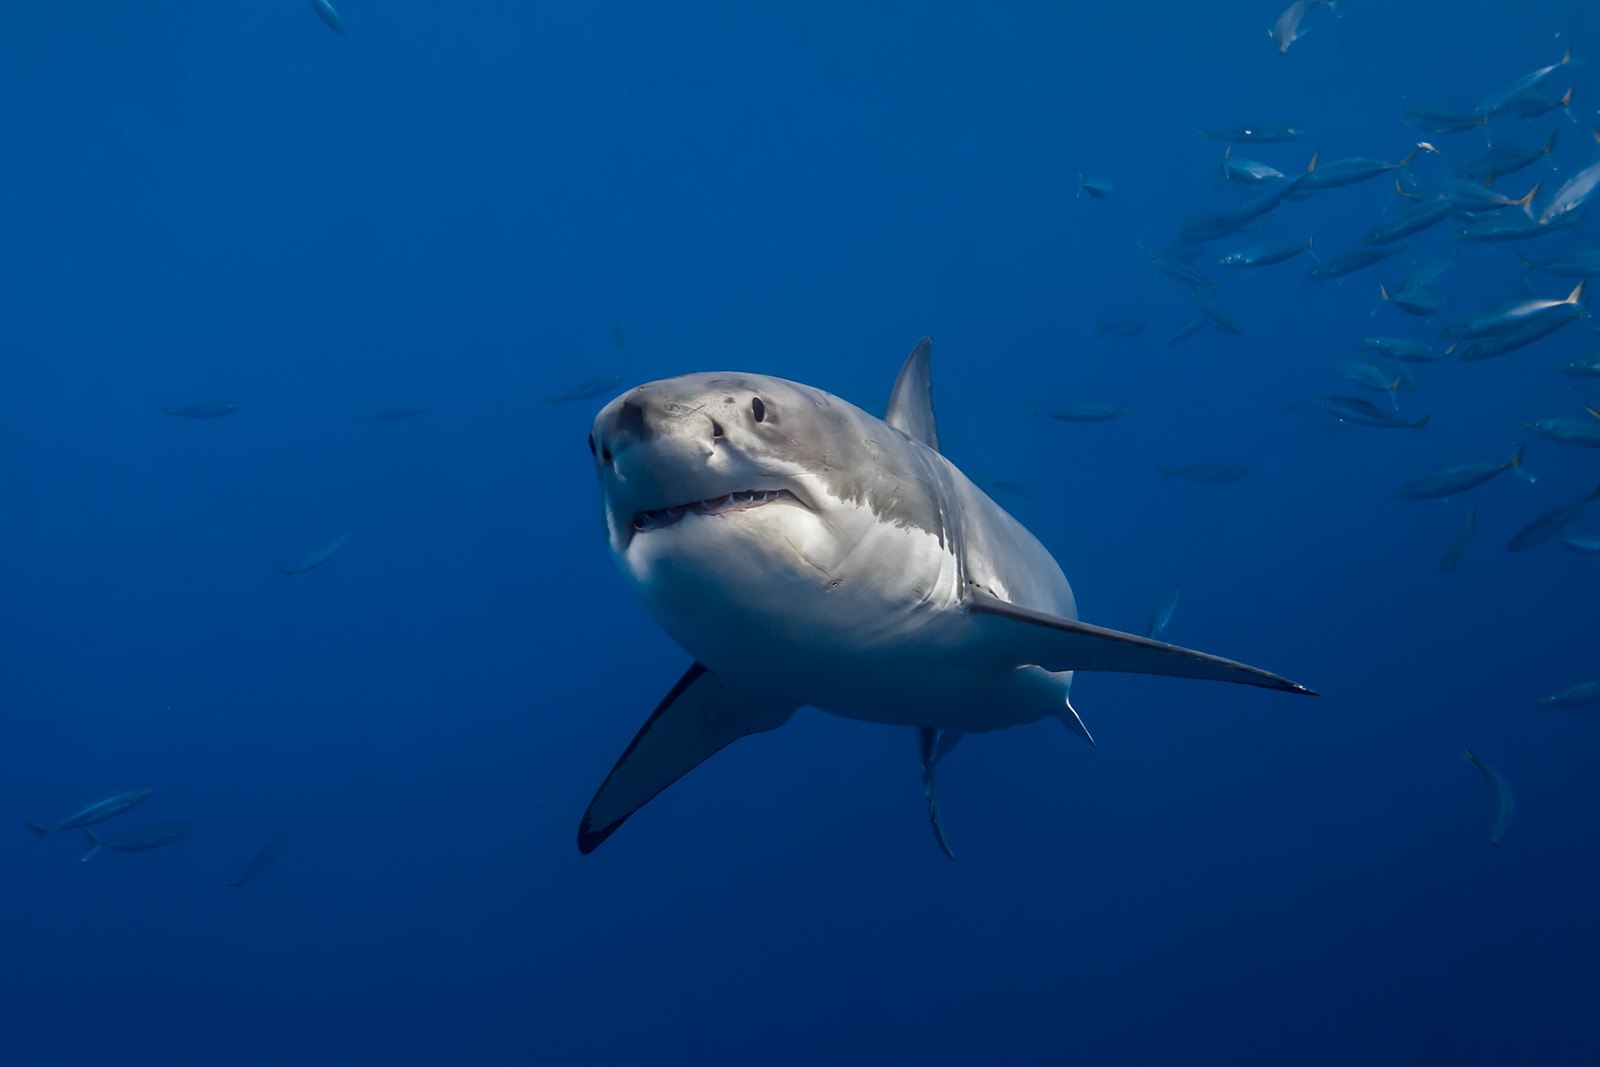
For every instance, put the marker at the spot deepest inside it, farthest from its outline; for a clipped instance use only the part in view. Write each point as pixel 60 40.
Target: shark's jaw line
pixel 743 500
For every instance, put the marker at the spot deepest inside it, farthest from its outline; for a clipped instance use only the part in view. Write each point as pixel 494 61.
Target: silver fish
pixel 1515 228
pixel 1502 100
pixel 1414 219
pixel 1504 159
pixel 1350 171
pixel 156 835
pixel 1501 805
pixel 1574 194
pixel 1456 551
pixel 1433 120
pixel 328 15
pixel 1366 413
pixel 1457 478
pixel 1406 351
pixel 201 411
pixel 1583 546
pixel 1085 412
pixel 1350 262
pixel 1098 188
pixel 265 858
pixel 1174 266
pixel 318 555
pixel 1551 523
pixel 1576 263
pixel 1573 696
pixel 1246 171
pixel 1510 341
pixel 1206 473
pixel 1131 327
pixel 1422 302
pixel 98 812
pixel 1582 432
pixel 1254 134
pixel 1367 375
pixel 592 387
pixel 1163 615
pixel 1589 368
pixel 1265 253
pixel 1515 314
pixel 1286 31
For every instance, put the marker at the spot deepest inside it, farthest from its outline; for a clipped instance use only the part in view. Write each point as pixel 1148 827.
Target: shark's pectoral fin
pixel 701 715
pixel 932 746
pixel 1058 644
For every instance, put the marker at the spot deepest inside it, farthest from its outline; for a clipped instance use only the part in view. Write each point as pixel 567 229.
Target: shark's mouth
pixel 645 521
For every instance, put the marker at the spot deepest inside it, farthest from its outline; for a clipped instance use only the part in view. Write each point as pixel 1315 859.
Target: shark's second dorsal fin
pixel 701 715
pixel 911 402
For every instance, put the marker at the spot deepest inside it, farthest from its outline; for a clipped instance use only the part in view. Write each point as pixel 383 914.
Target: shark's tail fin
pixel 95 845
pixel 36 828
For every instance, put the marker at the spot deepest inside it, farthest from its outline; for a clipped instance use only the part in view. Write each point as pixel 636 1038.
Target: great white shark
pixel 808 553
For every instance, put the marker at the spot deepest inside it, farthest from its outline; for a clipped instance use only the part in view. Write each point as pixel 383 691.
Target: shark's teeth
pixel 744 500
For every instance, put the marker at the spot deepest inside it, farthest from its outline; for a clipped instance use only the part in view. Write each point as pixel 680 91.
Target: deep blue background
pixel 450 208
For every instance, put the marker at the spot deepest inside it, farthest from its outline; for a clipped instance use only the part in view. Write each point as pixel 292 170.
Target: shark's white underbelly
pixel 837 610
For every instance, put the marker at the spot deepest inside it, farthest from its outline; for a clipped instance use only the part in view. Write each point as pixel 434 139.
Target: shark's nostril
pixel 630 421
pixel 716 430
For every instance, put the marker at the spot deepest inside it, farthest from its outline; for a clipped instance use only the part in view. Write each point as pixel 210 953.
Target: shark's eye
pixel 605 455
pixel 591 445
pixel 758 409
pixel 716 430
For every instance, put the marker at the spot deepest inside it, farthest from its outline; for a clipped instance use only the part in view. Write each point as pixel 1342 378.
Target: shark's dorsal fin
pixel 911 402
pixel 701 715
pixel 1057 644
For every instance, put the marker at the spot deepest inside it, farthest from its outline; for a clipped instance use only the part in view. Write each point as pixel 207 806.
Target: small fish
pixel 1367 375
pixel 1433 120
pixel 98 812
pixel 144 838
pixel 592 387
pixel 201 411
pixel 1270 196
pixel 1085 412
pixel 1475 198
pixel 1350 171
pixel 1504 159
pixel 1457 478
pixel 1420 302
pixel 1524 85
pixel 1583 546
pixel 265 857
pixel 1265 253
pixel 1163 615
pixel 1366 413
pixel 1414 219
pixel 1131 327
pixel 1531 105
pixel 1551 523
pixel 1576 263
pixel 1097 188
pixel 396 414
pixel 1173 266
pixel 1573 696
pixel 1510 341
pixel 1573 195
pixel 1589 368
pixel 1254 134
pixel 1350 262
pixel 1406 351
pixel 1188 330
pixel 1287 29
pixel 1501 805
pixel 327 14
pixel 1246 171
pixel 1515 314
pixel 1430 271
pixel 318 555
pixel 1206 473
pixel 1582 432
pixel 1219 318
pixel 1210 226
pixel 1456 551
pixel 1515 228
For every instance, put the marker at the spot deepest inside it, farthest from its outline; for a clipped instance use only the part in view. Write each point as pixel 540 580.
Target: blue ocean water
pixel 466 209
